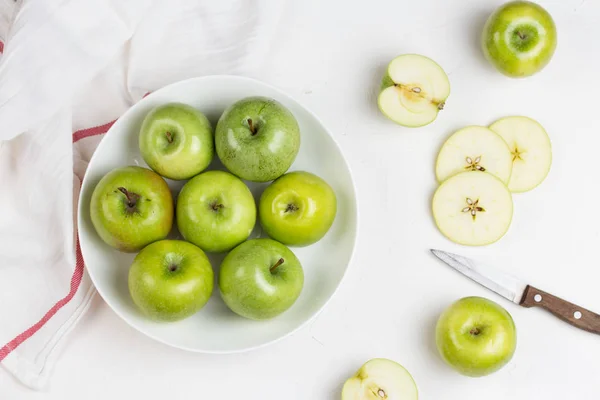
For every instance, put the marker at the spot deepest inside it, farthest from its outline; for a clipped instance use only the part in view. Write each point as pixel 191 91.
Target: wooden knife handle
pixel 568 312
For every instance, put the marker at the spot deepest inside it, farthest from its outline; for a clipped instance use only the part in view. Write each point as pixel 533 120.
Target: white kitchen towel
pixel 68 69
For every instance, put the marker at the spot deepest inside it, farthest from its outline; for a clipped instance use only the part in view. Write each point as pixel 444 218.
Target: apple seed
pixel 381 393
pixel 473 165
pixel 473 208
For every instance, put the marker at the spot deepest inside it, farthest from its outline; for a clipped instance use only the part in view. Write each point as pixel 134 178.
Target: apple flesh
pixel 260 279
pixel 530 148
pixel 131 207
pixel 170 280
pixel 297 209
pixel 476 336
pixel 477 149
pixel 519 38
pixel 215 211
pixel 473 209
pixel 176 141
pixel 413 90
pixel 380 379
pixel 257 139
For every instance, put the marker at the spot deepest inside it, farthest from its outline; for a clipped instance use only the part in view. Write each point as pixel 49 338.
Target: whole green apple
pixel 170 280
pixel 476 336
pixel 131 207
pixel 260 279
pixel 176 141
pixel 257 139
pixel 215 211
pixel 297 209
pixel 519 38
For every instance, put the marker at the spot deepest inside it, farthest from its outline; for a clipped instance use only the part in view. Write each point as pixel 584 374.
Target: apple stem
pixel 132 198
pixel 521 35
pixel 252 127
pixel 277 264
pixel 169 137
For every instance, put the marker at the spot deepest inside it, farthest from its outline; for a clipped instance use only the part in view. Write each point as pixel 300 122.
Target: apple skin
pixel 476 336
pixel 170 280
pixel 248 286
pixel 257 139
pixel 506 42
pixel 297 209
pixel 215 211
pixel 176 141
pixel 126 226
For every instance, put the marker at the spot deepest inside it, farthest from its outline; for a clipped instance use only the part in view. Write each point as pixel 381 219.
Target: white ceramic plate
pixel 215 329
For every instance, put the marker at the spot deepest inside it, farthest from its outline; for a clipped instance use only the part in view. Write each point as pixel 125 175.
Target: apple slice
pixel 474 148
pixel 473 209
pixel 531 151
pixel 413 90
pixel 380 379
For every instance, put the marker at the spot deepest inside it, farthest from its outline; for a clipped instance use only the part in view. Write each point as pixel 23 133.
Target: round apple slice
pixel 473 209
pixel 474 148
pixel 413 90
pixel 530 148
pixel 380 379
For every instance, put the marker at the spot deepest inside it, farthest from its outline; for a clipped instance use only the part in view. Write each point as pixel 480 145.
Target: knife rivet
pixel 577 314
pixel 537 298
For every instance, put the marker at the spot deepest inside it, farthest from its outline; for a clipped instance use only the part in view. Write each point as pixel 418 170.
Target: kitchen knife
pixel 521 293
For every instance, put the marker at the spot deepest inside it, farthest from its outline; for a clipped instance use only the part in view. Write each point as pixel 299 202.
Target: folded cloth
pixel 68 70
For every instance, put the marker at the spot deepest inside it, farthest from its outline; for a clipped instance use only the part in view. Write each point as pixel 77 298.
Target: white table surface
pixel 331 56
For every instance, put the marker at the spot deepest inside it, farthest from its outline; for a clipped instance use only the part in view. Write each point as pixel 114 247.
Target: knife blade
pixel 521 293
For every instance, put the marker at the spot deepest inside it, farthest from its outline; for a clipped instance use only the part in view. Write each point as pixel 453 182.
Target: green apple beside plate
pixel 215 328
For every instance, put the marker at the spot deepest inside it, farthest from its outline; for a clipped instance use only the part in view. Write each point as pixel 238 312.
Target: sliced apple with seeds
pixel 473 209
pixel 474 148
pixel 413 90
pixel 530 148
pixel 380 379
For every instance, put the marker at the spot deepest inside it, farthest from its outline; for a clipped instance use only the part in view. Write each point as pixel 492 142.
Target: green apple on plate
pixel 476 336
pixel 530 149
pixel 477 149
pixel 176 141
pixel 519 38
pixel 380 379
pixel 170 280
pixel 215 211
pixel 473 208
pixel 131 207
pixel 260 279
pixel 297 209
pixel 257 139
pixel 413 90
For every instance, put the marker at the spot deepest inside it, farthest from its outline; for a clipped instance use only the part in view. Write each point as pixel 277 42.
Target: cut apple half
pixel 413 90
pixel 380 379
pixel 477 149
pixel 473 209
pixel 530 148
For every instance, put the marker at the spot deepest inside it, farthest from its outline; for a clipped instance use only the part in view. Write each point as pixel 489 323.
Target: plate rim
pixel 300 326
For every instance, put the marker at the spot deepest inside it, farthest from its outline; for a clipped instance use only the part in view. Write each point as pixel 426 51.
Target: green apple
pixel 257 139
pixel 413 90
pixel 476 336
pixel 519 38
pixel 260 279
pixel 170 280
pixel 380 379
pixel 297 209
pixel 131 207
pixel 176 141
pixel 215 211
pixel 473 208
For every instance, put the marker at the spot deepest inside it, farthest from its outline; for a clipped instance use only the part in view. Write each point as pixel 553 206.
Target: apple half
pixel 380 379
pixel 473 209
pixel 530 148
pixel 474 148
pixel 413 90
